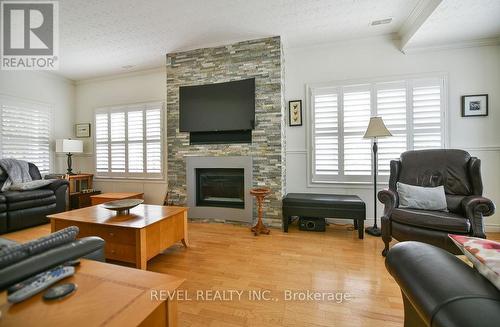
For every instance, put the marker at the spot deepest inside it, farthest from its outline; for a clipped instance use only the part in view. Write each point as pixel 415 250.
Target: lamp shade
pixel 376 128
pixel 69 146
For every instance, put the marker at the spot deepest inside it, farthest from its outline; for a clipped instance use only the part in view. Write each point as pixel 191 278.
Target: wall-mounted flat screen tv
pixel 216 107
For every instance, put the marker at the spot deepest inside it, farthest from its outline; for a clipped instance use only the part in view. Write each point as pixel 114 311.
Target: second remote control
pixel 45 280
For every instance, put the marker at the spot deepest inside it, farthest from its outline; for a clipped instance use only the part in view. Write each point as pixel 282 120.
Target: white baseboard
pixel 492 228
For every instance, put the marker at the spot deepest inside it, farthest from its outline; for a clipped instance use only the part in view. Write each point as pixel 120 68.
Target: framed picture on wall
pixel 475 105
pixel 295 113
pixel 82 130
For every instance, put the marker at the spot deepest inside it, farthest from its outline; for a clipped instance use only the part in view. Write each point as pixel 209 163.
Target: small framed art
pixel 82 130
pixel 475 105
pixel 295 113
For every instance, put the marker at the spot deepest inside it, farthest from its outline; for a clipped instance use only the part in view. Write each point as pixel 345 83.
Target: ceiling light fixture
pixel 381 22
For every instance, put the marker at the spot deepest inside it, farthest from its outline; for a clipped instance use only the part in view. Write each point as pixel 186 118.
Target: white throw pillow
pixel 424 198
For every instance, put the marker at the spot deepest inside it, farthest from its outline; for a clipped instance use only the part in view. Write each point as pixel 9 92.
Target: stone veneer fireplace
pixel 260 59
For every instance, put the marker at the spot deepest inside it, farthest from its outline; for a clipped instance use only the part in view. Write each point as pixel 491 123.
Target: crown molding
pixel 456 45
pixel 121 75
pixel 389 37
pixel 422 11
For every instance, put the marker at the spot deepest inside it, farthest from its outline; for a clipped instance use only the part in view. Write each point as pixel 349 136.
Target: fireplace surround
pixel 218 187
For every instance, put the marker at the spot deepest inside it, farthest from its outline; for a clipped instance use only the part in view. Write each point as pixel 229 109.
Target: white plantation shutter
pixel 412 110
pixel 25 132
pixel 117 124
pixel 102 142
pixel 391 106
pixel 135 133
pixel 128 141
pixel 427 115
pixel 153 140
pixel 325 130
pixel 356 113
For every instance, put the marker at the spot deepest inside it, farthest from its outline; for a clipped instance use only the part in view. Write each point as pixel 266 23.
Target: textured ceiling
pixel 99 37
pixel 456 21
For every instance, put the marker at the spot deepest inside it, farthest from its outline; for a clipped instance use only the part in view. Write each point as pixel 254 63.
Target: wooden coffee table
pixel 107 295
pixel 134 238
pixel 106 197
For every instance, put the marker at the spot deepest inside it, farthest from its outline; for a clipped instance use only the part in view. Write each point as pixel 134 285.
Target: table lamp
pixel 69 147
pixel 376 128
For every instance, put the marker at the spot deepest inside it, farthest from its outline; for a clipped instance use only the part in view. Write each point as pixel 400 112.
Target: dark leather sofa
pixel 440 290
pixel 33 257
pixel 460 174
pixel 20 210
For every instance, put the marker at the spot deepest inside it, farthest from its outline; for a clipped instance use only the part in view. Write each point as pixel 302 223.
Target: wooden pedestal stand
pixel 260 194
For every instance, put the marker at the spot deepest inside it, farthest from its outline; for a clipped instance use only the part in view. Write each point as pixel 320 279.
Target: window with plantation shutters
pixel 412 109
pixel 128 141
pixel 25 132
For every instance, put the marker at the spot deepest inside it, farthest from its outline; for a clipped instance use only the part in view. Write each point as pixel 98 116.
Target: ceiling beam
pixel 423 10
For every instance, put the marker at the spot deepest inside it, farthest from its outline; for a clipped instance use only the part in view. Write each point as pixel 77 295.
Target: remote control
pixel 42 282
pixel 16 287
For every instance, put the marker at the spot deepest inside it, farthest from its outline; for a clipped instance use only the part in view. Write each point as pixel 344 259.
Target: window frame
pixel 365 181
pixel 39 105
pixel 127 175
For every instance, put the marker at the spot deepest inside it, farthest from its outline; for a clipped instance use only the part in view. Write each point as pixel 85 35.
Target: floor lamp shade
pixel 376 128
pixel 69 147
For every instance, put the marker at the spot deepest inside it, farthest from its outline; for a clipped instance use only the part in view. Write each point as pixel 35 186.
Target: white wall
pixel 120 89
pixel 47 88
pixel 470 71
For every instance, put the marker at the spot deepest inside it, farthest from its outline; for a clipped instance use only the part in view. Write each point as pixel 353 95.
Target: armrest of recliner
pixel 441 288
pixel 57 183
pixel 475 208
pixel 389 198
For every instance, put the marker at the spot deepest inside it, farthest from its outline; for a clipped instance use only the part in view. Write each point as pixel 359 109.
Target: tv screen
pixel 226 106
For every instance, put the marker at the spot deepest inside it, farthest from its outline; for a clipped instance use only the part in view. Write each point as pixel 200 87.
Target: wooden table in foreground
pixel 106 197
pixel 134 238
pixel 107 295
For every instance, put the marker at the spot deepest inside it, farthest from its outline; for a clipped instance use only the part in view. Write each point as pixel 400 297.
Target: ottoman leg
pixel 361 228
pixel 285 223
pixel 355 224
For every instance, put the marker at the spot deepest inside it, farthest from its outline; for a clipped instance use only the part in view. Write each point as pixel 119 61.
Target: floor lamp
pixel 376 128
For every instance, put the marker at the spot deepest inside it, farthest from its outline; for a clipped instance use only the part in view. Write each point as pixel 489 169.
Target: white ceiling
pixel 456 21
pixel 99 37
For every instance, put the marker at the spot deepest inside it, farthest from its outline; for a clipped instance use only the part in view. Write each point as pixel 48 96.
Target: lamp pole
pixel 374 230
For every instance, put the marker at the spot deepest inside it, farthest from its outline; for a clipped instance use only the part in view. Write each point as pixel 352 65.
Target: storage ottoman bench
pixel 324 206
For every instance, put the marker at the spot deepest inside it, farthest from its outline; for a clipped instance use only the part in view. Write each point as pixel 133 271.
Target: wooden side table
pixel 106 197
pixel 76 198
pixel 260 193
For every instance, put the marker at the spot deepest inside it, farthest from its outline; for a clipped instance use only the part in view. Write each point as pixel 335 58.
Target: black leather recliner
pixel 460 174
pixel 24 209
pixel 440 290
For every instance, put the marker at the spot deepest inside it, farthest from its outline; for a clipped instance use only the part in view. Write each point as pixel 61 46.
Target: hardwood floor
pixel 225 257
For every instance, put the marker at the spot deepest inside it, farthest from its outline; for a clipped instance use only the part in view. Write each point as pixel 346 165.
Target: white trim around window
pixel 414 108
pixel 128 141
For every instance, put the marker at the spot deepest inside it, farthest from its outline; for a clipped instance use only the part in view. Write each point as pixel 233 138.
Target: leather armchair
pixel 20 210
pixel 440 290
pixel 460 174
